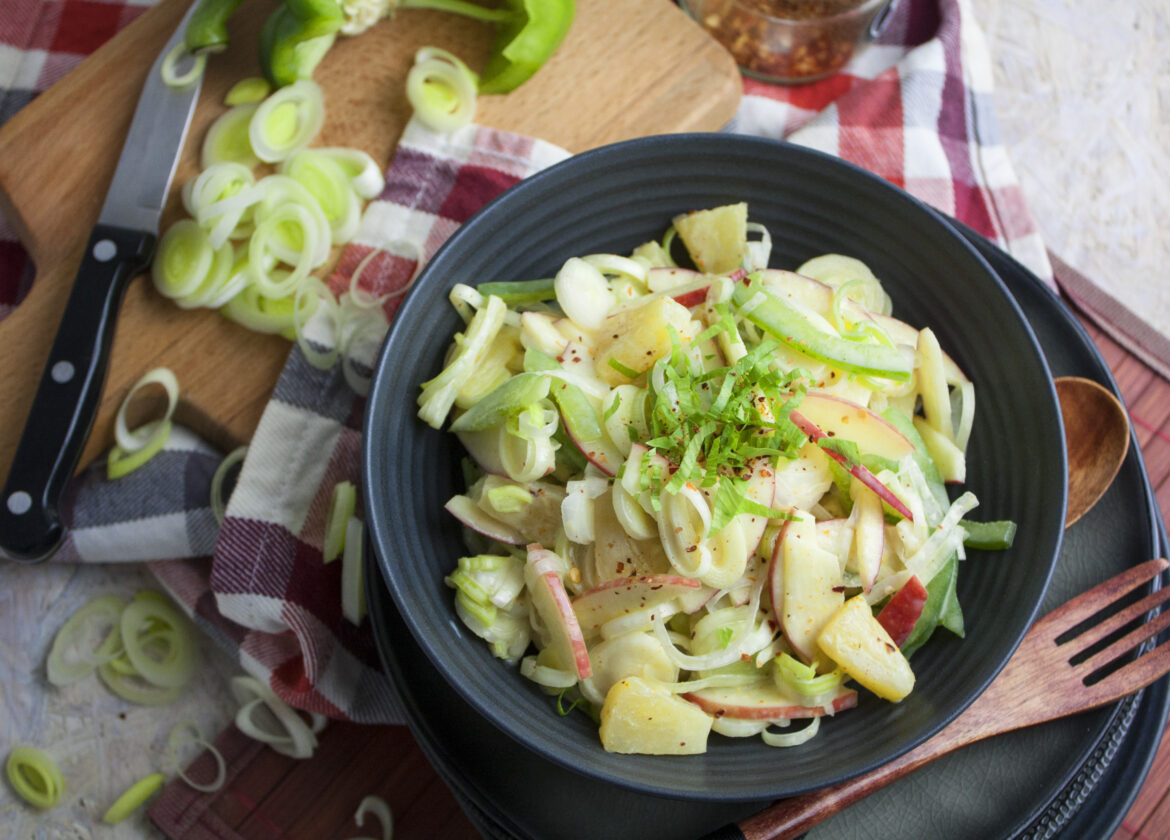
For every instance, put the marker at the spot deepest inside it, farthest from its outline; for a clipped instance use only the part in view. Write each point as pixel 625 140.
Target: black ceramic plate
pixel 1072 779
pixel 612 199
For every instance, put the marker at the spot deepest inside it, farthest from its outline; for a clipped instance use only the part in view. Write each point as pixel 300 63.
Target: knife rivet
pixel 104 250
pixel 19 502
pixel 62 372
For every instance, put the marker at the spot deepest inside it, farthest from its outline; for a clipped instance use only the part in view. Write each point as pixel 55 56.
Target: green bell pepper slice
pixel 526 42
pixel 295 38
pixel 207 29
pixel 511 397
pixel 781 320
pixel 530 32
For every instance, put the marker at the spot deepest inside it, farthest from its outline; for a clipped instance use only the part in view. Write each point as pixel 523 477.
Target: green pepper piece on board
pixel 296 37
pixel 207 29
pixel 318 17
pixel 526 42
pixel 530 32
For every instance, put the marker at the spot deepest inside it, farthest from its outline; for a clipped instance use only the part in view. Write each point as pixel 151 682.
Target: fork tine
pixel 1088 603
pixel 1130 641
pixel 1111 625
pixel 1133 675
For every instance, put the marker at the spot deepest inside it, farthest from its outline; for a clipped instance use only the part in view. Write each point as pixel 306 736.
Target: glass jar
pixel 789 41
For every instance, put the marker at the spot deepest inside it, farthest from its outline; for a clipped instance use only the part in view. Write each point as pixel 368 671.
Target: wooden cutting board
pixel 628 68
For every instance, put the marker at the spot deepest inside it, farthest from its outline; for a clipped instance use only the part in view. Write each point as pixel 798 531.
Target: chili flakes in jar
pixel 789 41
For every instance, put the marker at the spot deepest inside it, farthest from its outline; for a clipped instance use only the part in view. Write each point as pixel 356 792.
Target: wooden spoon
pixel 1096 431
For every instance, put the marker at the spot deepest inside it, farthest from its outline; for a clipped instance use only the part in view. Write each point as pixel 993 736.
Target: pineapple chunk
pixel 715 238
pixel 640 716
pixel 639 337
pixel 855 640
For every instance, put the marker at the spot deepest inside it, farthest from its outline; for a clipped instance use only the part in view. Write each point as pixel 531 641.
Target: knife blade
pixel 119 248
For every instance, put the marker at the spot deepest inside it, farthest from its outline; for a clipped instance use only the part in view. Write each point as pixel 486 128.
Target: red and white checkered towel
pixel 915 108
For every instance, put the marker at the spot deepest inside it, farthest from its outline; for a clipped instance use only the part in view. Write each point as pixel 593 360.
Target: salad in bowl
pixel 702 494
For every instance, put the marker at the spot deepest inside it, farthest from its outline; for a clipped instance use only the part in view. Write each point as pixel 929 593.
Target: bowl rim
pixel 380 538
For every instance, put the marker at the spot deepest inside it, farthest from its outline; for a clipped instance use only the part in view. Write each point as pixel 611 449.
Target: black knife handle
pixel 66 400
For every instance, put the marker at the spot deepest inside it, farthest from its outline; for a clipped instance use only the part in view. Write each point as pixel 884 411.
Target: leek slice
pixel 792 739
pixel 35 777
pixel 183 260
pixel 131 441
pixel 377 806
pixel 353 592
pixel 279 191
pixel 195 735
pixel 438 394
pixel 341 507
pixel 61 667
pixel 264 314
pixel 287 120
pixel 365 176
pixel 175 667
pixel 296 741
pixel 120 462
pixel 441 89
pixel 172 76
pixel 326 180
pixel 135 689
pixel 322 360
pixel 546 676
pixel 247 91
pixel 264 240
pixel 215 183
pixel 134 798
pixel 218 506
pixel 361 333
pixel 229 138
pixel 217 279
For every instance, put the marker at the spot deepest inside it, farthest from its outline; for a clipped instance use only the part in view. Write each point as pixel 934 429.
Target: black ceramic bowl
pixel 613 199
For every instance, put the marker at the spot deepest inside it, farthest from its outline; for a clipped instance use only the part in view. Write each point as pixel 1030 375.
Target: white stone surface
pixel 1083 98
pixel 101 743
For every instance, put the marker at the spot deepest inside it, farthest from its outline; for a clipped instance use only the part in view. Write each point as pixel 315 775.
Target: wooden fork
pixel 1045 679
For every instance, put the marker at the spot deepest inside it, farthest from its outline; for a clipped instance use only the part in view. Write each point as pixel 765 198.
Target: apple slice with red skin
pixel 551 602
pixel 582 425
pixel 474 517
pixel 686 286
pixel 858 471
pixel 622 596
pixel 841 418
pixel 901 612
pixel 765 702
pixel 693 600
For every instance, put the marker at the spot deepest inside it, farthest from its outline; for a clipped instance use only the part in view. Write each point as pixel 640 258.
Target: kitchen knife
pixel 119 248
